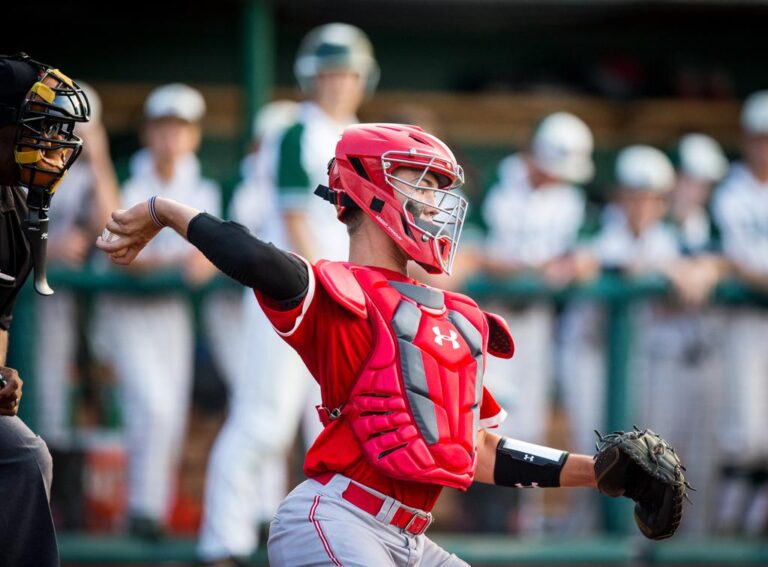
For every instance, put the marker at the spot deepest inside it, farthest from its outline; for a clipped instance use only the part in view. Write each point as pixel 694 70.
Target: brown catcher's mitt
pixel 642 466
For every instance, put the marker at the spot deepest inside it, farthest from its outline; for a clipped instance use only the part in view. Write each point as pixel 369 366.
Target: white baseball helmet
pixel 644 168
pixel 562 147
pixel 177 100
pixel 754 113
pixel 274 116
pixel 701 157
pixel 335 47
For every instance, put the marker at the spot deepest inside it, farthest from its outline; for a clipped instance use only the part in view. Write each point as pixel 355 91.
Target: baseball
pixel 108 236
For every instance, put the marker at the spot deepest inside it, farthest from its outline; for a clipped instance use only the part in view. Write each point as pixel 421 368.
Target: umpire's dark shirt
pixel 15 256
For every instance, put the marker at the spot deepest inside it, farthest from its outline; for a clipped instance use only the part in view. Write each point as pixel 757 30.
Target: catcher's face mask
pixel 45 148
pixel 46 144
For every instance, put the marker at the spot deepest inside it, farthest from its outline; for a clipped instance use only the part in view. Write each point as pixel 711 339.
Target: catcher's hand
pixel 642 466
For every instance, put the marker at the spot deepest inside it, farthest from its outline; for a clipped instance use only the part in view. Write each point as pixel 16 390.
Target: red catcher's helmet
pixel 365 169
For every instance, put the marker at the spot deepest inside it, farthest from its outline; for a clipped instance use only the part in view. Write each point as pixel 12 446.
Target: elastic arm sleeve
pixel 275 273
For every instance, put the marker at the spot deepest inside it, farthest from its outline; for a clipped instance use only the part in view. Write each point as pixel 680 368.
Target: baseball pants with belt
pixel 345 523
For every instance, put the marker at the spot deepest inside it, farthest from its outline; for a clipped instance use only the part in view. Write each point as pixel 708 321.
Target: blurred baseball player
pixel 39 107
pixel 740 210
pixel 702 165
pixel 152 337
pixel 533 213
pixel 246 478
pixel 400 364
pixel 633 239
pixel 678 350
pixel 335 69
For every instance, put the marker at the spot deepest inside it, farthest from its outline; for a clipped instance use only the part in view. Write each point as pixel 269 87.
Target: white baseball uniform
pixel 152 342
pixel 679 371
pixel 582 357
pixel 271 389
pixel 530 226
pixel 740 210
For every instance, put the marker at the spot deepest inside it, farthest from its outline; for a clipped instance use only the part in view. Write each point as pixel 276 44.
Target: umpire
pixel 39 108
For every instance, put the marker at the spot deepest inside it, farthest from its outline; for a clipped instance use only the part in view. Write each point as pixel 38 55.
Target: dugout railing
pixel 619 545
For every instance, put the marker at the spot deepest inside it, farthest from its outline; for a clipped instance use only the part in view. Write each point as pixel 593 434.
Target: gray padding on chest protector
pixel 475 341
pixel 479 380
pixel 425 296
pixel 406 321
pixel 416 389
pixel 468 331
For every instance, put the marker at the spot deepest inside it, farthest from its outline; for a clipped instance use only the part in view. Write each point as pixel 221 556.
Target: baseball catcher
pixel 400 363
pixel 642 466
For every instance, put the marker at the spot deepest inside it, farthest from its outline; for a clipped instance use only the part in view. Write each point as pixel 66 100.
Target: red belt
pixel 411 521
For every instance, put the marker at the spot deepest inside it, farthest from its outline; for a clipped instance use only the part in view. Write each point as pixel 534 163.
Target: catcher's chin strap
pixel 335 197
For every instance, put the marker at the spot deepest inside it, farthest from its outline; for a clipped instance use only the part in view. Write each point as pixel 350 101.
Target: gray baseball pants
pixel 315 526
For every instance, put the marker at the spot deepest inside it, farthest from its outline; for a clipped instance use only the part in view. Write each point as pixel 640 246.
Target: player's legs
pixel 753 395
pixel 231 498
pixel 744 418
pixel 681 359
pixel 232 479
pixel 154 370
pixel 582 376
pixel 27 537
pixel 248 458
pixel 740 418
pixel 315 526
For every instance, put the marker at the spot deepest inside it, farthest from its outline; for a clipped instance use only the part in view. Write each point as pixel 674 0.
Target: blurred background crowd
pixel 617 166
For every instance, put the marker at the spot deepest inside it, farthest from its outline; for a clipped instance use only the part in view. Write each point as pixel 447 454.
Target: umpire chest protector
pixel 415 405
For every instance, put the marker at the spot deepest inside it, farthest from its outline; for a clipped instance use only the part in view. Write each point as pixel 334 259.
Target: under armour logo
pixel 451 336
pixel 528 458
pixel 44 236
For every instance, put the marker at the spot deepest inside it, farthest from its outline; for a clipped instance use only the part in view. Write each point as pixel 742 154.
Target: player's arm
pixel 106 195
pixel 229 246
pixel 508 462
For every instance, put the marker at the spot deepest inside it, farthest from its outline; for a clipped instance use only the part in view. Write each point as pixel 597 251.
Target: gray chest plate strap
pixel 426 296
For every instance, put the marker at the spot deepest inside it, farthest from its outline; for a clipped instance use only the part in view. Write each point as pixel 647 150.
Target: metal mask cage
pixel 448 208
pixel 47 124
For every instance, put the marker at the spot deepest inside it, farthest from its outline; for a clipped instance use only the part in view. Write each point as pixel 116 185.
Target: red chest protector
pixel 415 406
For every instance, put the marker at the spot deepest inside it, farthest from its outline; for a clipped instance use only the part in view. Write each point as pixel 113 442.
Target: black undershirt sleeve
pixel 263 266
